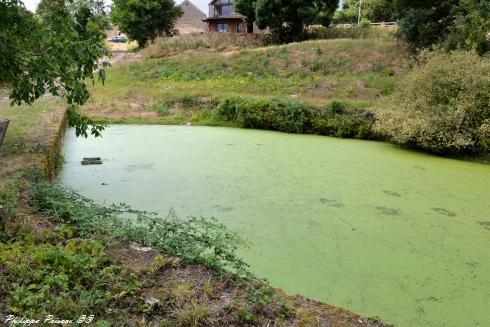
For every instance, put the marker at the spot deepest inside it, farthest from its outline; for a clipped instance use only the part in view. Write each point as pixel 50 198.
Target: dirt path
pixel 117 56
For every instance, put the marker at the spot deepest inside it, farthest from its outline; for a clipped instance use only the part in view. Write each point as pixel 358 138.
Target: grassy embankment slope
pixel 161 86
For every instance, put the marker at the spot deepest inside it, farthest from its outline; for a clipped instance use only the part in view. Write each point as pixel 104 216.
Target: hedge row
pixel 336 119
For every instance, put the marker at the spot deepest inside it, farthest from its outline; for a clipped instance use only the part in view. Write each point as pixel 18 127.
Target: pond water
pixel 363 225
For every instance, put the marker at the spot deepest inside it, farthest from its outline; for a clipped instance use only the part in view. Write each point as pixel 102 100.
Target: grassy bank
pixel 356 72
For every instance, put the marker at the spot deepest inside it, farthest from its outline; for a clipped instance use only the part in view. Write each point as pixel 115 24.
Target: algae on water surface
pixel 364 225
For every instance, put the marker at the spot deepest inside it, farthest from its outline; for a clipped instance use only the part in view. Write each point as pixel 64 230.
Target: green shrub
pixel 277 114
pixel 246 315
pixel 378 66
pixel 228 108
pixel 295 117
pixel 340 121
pixel 336 107
pixel 8 199
pixel 365 23
pixel 442 106
pixel 252 114
pixel 189 101
pixel 289 116
pixel 162 108
pixel 63 281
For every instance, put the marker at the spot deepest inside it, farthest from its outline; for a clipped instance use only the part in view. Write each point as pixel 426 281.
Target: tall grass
pixel 218 42
pixel 351 32
pixel 164 47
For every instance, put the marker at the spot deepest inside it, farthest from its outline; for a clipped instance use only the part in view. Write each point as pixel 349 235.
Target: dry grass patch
pixel 202 42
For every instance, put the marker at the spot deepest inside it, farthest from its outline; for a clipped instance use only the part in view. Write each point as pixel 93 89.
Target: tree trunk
pixel 4 123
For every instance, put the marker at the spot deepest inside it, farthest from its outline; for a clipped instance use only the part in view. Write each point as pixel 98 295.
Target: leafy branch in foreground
pixel 82 123
pixel 195 239
pixel 53 51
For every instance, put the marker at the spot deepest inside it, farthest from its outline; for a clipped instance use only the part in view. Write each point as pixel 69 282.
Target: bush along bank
pixel 336 119
pixel 65 256
pixel 441 106
pixel 293 117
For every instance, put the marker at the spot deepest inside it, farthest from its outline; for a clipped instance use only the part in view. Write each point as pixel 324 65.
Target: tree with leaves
pixel 423 23
pixel 451 24
pixel 373 10
pixel 247 9
pixel 471 29
pixel 144 20
pixel 45 53
pixel 287 19
pixel 91 17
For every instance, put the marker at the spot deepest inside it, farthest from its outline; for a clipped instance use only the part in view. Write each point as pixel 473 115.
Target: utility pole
pixel 359 16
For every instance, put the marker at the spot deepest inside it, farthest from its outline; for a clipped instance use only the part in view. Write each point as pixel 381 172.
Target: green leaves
pixel 452 24
pixel 83 124
pixel 286 19
pixel 55 55
pixel 373 10
pixel 442 106
pixel 144 20
pixel 194 239
pixel 63 281
pixel 294 117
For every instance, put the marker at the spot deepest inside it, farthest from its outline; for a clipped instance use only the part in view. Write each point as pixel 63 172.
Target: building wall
pixel 232 21
pixel 212 26
pixel 192 19
pixel 232 25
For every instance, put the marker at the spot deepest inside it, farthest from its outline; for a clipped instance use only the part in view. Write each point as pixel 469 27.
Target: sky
pixel 202 4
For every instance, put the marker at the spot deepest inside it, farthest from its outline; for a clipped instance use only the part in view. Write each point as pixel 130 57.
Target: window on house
pixel 224 8
pixel 222 27
pixel 239 27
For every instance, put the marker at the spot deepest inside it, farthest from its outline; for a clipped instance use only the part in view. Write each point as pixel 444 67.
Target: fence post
pixel 4 123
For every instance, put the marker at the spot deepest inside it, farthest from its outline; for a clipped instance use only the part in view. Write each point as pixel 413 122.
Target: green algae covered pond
pixel 378 230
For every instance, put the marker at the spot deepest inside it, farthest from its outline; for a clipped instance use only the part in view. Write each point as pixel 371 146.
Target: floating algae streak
pixel 363 225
